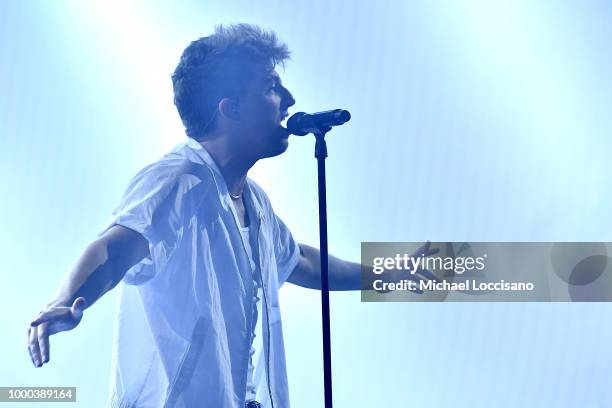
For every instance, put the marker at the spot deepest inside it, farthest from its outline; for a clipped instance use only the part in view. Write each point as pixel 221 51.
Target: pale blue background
pixel 472 121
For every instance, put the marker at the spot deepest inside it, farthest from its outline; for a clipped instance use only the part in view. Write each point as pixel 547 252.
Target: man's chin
pixel 279 146
pixel 275 143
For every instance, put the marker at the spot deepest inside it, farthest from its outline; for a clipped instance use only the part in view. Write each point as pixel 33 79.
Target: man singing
pixel 198 246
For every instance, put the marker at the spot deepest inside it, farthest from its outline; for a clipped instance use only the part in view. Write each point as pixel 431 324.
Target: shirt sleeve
pixel 154 205
pixel 286 250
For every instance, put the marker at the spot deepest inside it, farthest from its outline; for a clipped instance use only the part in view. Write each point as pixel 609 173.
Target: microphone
pixel 302 123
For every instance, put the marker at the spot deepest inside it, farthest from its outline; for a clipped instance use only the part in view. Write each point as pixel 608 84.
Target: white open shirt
pixel 182 332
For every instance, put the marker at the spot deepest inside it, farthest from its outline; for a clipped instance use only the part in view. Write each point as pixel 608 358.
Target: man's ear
pixel 228 107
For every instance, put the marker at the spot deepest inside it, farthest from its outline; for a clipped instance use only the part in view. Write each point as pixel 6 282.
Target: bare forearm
pixel 90 277
pixel 343 275
pixel 101 266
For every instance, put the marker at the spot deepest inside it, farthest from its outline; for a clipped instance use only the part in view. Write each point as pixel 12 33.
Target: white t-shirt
pixel 251 388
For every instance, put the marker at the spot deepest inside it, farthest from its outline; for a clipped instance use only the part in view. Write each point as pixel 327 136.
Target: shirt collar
pixel 249 193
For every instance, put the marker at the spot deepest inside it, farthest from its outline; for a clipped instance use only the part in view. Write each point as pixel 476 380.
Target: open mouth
pixel 284 116
pixel 283 124
pixel 284 132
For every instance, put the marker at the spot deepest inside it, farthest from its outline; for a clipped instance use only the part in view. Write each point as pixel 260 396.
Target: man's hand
pixel 421 274
pixel 53 319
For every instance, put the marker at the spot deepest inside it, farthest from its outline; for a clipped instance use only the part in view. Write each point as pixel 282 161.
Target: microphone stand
pixel 321 155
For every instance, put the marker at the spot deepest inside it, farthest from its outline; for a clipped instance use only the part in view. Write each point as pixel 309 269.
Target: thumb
pixel 77 307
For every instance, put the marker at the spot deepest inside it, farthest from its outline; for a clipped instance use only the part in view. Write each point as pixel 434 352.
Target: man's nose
pixel 288 99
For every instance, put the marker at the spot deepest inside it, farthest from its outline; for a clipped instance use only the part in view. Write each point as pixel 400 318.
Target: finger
pixel 77 308
pixel 29 347
pixel 422 250
pixel 413 277
pixel 34 348
pixel 43 342
pixel 30 353
pixel 427 274
pixel 425 248
pixel 44 316
pixel 52 314
pixel 38 320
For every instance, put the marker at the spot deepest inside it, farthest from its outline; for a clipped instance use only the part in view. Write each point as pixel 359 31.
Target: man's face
pixel 262 108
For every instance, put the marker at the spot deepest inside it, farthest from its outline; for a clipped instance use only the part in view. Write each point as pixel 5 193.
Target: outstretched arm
pixel 99 269
pixel 343 275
